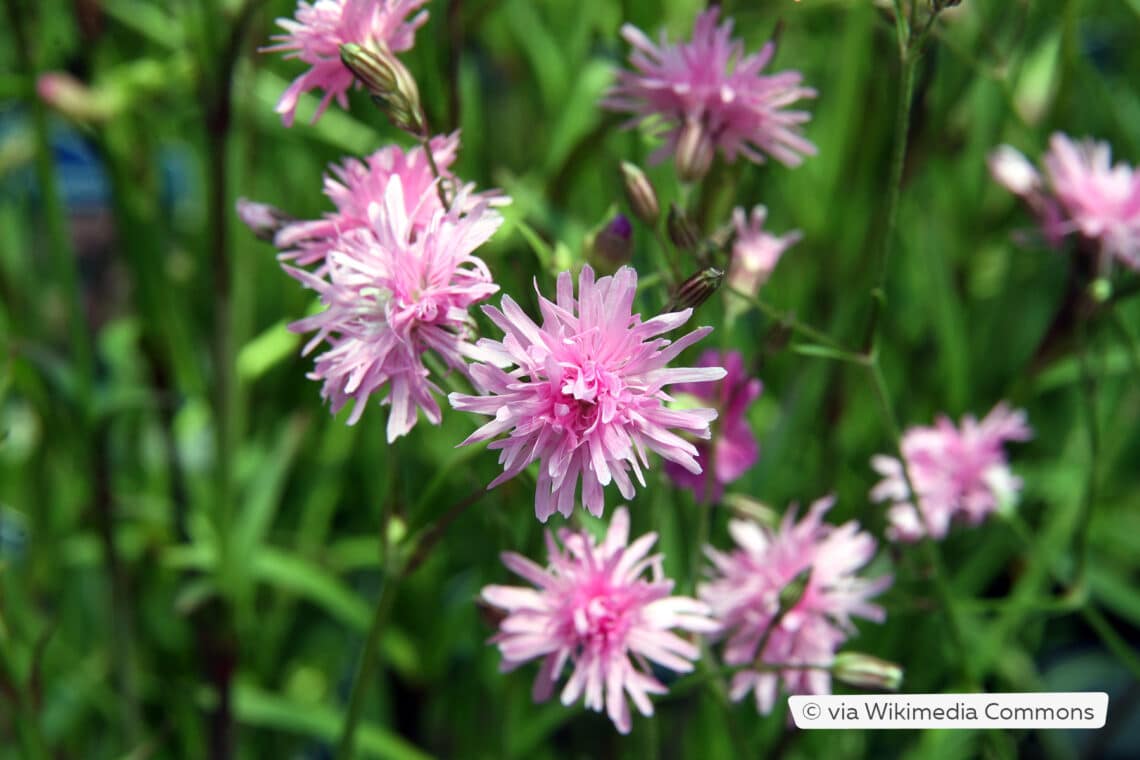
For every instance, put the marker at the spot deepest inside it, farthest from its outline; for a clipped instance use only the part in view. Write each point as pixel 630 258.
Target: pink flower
pixel 356 185
pixel 787 597
pixel 390 293
pixel 1085 193
pixel 322 27
pixel 958 473
pixel 712 86
pixel 593 608
pixel 586 398
pixel 755 252
pixel 733 448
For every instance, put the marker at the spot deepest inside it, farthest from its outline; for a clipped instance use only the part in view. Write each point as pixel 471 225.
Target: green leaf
pixel 263 492
pixel 826 352
pixel 255 707
pixel 1114 592
pixel 289 572
pixel 274 345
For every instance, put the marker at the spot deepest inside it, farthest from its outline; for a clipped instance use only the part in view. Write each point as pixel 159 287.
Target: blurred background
pixel 191 546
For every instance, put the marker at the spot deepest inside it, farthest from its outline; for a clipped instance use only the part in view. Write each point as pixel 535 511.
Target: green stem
pixel 669 254
pixel 908 58
pixel 929 548
pixel 63 259
pixel 1113 640
pixel 435 172
pixel 26 721
pixel 1088 397
pixel 370 657
pixel 789 320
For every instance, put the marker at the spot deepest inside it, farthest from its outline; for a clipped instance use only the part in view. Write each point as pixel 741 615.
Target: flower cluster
pixel 709 94
pixel 586 392
pixel 786 599
pixel 594 610
pixel 956 473
pixel 732 449
pixel 320 28
pixel 1082 192
pixel 586 396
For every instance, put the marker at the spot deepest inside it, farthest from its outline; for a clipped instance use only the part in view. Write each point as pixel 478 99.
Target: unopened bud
pixel 695 152
pixel 397 531
pixel 390 83
pixel 640 193
pixel 682 232
pixel 612 245
pixel 697 289
pixel 1100 289
pixel 263 220
pixel 750 508
pixel 866 672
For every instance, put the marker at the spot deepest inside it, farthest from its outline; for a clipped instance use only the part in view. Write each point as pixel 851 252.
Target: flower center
pixel 599 616
pixel 587 391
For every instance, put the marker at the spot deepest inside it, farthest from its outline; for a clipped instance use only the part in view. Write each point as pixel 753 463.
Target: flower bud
pixel 682 232
pixel 867 672
pixel 1013 170
pixel 263 220
pixel 640 193
pixel 697 289
pixel 1100 289
pixel 76 100
pixel 612 245
pixel 390 83
pixel 750 508
pixel 695 152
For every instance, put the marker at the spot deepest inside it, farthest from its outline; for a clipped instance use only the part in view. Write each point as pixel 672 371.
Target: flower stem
pixel 435 172
pixel 929 548
pixel 26 722
pixel 908 59
pixel 1092 427
pixel 789 320
pixel 370 657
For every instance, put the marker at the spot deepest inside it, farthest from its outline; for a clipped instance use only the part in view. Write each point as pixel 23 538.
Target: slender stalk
pixel 1092 427
pixel 63 259
pixel 27 723
pixel 929 548
pixel 908 59
pixel 435 172
pixel 669 254
pixel 1124 651
pixel 789 320
pixel 370 657
pixel 219 50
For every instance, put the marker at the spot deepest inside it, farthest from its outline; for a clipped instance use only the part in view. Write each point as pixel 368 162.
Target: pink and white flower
pixel 958 473
pixel 356 185
pixel 1082 192
pixel 320 28
pixel 392 292
pixel 710 87
pixel 586 396
pixel 594 609
pixel 733 448
pixel 755 252
pixel 787 597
